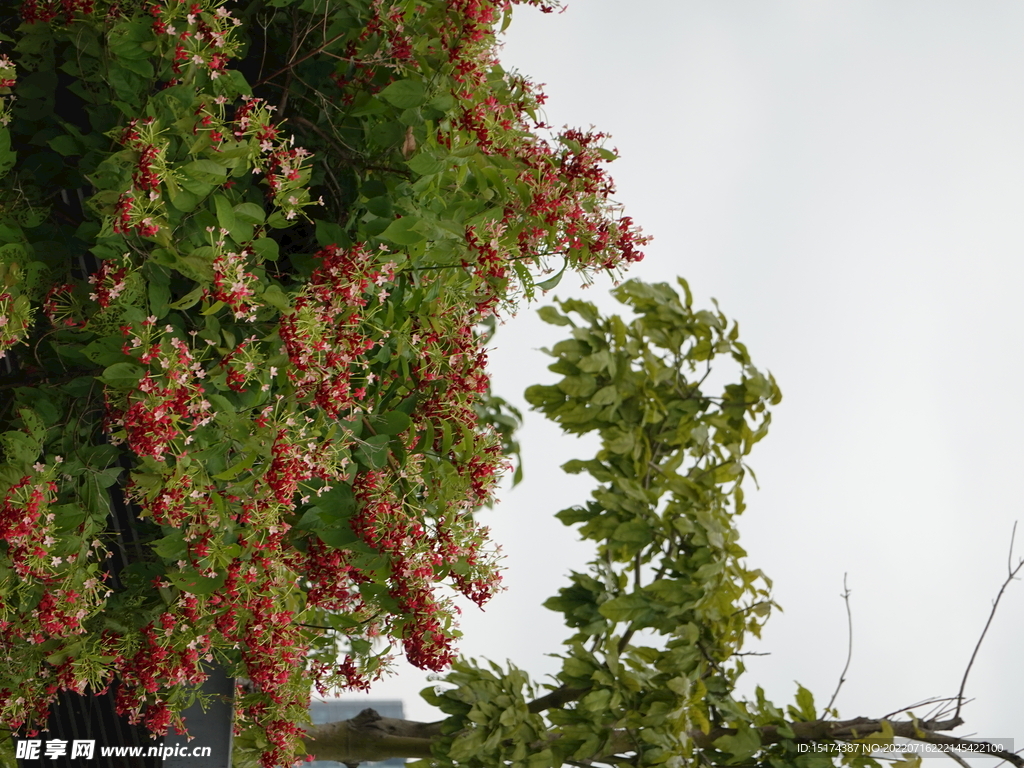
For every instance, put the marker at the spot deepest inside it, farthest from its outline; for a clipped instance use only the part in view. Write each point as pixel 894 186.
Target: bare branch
pixel 557 698
pixel 849 644
pixel 1012 574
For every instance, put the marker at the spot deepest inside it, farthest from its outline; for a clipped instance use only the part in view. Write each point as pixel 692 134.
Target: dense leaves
pixel 659 618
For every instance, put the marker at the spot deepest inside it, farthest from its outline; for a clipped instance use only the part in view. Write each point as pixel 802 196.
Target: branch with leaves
pixel 657 624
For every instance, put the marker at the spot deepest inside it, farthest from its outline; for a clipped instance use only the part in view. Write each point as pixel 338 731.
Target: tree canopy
pixel 250 260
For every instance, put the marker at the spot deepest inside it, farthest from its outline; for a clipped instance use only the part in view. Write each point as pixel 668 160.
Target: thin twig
pixel 995 605
pixel 749 607
pixel 919 704
pixel 849 644
pixel 298 61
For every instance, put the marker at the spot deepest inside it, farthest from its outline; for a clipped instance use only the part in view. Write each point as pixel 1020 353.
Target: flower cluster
pixel 56 586
pixel 206 38
pixel 246 549
pixel 569 209
pixel 110 281
pixel 383 522
pixel 139 206
pixel 324 336
pixel 60 306
pixel 161 404
pixel 15 320
pixel 285 166
pixel 243 364
pixel 232 284
pixel 313 457
pixel 45 11
pixel 27 527
pixel 564 206
pixel 7 80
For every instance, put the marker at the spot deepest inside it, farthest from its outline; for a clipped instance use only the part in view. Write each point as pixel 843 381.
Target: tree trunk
pixel 368 736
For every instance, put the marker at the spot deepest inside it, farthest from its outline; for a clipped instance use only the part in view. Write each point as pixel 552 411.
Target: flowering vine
pixel 265 332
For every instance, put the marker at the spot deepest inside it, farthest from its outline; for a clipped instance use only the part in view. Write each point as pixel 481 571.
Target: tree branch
pixel 557 698
pixel 369 737
pixel 849 645
pixel 992 614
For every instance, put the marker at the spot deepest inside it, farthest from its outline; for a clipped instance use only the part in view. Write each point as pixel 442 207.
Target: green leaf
pixel 581 386
pixel 277 298
pixel 741 745
pixel 250 213
pixel 405 93
pixel 19 448
pixel 551 282
pixel 225 212
pixel 105 351
pixel 7 155
pixel 196 584
pixel 198 265
pixel 122 375
pixel 205 171
pixel 805 703
pixel 189 299
pixel 266 248
pixel 373 453
pixel 159 294
pixel 371 106
pixel 380 206
pixel 425 164
pixel 625 608
pixel 277 220
pixel 339 538
pixel 633 532
pixel 337 504
pixel 394 423
pixel 596 701
pixel 551 315
pixel 401 231
pixel 236 469
pixel 65 145
pixel 573 515
pixel 329 233
pixel 171 547
pixel 182 199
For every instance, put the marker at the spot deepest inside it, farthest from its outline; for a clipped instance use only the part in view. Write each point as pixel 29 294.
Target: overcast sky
pixel 847 179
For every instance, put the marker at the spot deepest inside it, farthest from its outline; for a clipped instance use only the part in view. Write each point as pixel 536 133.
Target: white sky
pixel 847 179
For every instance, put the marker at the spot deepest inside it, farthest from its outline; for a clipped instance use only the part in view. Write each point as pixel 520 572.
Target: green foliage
pixel 658 623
